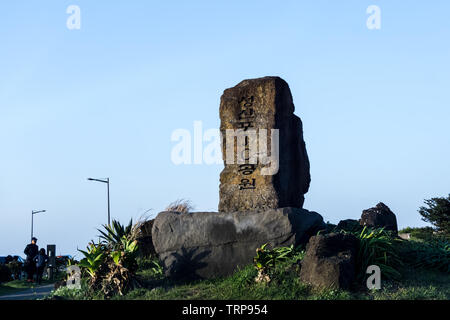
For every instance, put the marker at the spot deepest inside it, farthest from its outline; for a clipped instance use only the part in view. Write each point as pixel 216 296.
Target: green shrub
pixel 94 257
pixel 434 255
pixel 16 268
pixel 425 233
pixel 377 247
pixel 83 293
pixel 5 273
pixel 112 264
pixel 266 260
pixel 157 269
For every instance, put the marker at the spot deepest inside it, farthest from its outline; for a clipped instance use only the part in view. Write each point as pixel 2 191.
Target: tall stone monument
pixel 262 185
pixel 266 163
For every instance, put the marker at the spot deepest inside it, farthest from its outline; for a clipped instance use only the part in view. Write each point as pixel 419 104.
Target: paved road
pixel 29 294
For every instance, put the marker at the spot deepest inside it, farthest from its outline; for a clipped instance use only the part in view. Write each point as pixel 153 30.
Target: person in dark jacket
pixel 31 252
pixel 41 261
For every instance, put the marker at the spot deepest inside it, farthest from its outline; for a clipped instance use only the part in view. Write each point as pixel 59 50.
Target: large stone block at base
pixel 203 245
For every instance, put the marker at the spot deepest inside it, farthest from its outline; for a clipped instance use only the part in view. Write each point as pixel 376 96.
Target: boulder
pixel 144 238
pixel 329 261
pixel 209 244
pixel 349 225
pixel 379 217
pixel 251 110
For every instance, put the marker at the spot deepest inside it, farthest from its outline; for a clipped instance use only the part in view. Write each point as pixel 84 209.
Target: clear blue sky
pixel 103 101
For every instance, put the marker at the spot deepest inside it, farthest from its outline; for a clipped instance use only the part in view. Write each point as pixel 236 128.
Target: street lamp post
pixel 106 180
pixel 33 212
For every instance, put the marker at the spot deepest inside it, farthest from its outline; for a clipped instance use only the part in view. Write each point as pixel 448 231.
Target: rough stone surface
pixel 263 103
pixel 329 261
pixel 349 225
pixel 210 244
pixel 144 239
pixel 378 217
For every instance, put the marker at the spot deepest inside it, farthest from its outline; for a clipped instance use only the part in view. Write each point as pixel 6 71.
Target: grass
pixel 416 282
pixel 240 286
pixel 17 286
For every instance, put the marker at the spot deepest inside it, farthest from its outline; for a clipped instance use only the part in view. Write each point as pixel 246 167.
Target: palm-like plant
pixel 115 232
pixel 112 263
pixel 126 256
pixel 93 259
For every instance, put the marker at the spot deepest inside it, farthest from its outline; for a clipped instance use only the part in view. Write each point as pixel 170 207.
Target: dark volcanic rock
pixel 211 244
pixel 144 239
pixel 349 225
pixel 253 105
pixel 379 217
pixel 329 261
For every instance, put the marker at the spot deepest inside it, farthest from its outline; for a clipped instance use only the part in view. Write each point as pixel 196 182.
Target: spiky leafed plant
pixel 121 270
pixel 377 247
pixel 94 257
pixel 111 270
pixel 126 257
pixel 266 260
pixel 114 233
pixel 157 268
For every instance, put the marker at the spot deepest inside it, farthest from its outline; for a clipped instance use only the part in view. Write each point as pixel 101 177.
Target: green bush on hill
pixel 425 233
